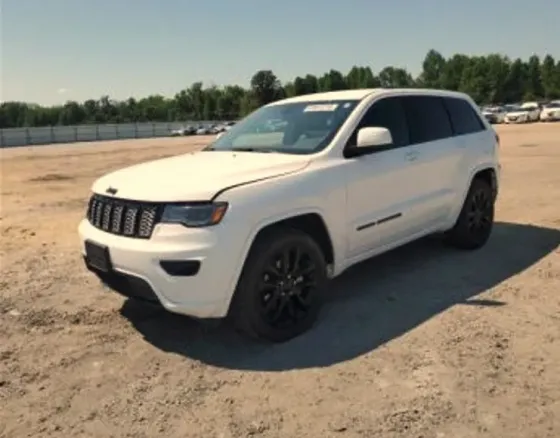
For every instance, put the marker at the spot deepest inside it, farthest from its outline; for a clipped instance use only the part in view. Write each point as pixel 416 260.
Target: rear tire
pixel 474 225
pixel 280 290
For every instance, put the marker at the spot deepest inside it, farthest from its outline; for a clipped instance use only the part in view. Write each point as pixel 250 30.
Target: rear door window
pixel 427 119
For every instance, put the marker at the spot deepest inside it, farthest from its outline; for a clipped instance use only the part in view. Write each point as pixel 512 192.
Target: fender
pixel 257 229
pixel 484 166
pixel 474 171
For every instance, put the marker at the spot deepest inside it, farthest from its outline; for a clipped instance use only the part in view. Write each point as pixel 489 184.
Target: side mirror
pixel 374 136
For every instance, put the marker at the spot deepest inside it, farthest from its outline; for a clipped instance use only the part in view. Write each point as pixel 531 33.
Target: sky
pixel 58 50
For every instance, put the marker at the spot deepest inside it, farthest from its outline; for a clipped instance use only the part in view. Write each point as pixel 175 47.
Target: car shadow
pixel 370 304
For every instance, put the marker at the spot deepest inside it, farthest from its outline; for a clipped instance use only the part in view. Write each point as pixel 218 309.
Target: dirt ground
pixel 422 342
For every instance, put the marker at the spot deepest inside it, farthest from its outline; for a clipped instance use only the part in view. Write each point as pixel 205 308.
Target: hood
pixel 196 176
pixel 517 113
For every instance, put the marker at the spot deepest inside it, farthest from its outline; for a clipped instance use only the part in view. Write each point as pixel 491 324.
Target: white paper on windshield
pixel 320 107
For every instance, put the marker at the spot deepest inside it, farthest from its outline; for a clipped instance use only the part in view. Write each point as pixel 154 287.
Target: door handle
pixel 412 155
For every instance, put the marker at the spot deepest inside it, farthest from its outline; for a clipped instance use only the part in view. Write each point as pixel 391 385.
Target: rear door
pixel 472 138
pixel 433 157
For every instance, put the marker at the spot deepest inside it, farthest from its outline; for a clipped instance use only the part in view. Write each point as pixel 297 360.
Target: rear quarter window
pixel 463 117
pixel 427 119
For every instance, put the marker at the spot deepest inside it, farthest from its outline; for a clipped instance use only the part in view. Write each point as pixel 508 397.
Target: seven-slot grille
pixel 123 217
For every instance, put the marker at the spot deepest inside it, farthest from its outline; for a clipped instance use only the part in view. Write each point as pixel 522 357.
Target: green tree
pixel 361 77
pixel 265 87
pixel 393 77
pixel 515 83
pixel 331 81
pixel 453 71
pixel 534 80
pixel 497 72
pixel 432 70
pixel 550 78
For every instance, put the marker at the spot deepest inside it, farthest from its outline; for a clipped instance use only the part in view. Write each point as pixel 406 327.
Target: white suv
pixel 254 225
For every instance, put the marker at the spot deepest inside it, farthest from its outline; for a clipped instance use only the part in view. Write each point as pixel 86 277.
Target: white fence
pixel 13 137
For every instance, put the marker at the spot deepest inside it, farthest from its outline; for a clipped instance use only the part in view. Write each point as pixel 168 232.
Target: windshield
pixel 512 109
pixel 553 105
pixel 291 128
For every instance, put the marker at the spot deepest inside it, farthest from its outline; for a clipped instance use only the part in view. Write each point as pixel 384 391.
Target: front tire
pixel 474 225
pixel 280 291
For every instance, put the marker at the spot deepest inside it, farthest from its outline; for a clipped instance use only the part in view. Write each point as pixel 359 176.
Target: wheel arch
pixel 488 172
pixel 489 175
pixel 311 222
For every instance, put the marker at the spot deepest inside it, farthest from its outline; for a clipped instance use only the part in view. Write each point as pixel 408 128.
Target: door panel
pixel 379 190
pixel 431 171
pixel 379 194
pixel 431 159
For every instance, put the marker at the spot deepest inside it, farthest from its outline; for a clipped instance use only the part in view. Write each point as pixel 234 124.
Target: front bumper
pixel 125 284
pixel 137 271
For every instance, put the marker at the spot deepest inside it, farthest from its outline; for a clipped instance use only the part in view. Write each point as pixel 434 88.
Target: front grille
pixel 123 217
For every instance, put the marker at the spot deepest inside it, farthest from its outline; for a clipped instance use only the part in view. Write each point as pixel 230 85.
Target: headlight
pixel 195 214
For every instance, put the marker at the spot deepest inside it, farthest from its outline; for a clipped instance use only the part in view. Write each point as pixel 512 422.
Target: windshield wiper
pixel 249 149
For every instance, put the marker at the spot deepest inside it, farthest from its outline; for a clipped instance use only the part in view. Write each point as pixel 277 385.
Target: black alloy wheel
pixel 280 291
pixel 476 220
pixel 287 286
pixel 480 212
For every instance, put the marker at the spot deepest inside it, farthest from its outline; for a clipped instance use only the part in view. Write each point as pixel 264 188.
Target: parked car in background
pixel 203 130
pixel 188 130
pixel 494 114
pixel 207 129
pixel 533 109
pixel 516 114
pixel 176 132
pixel 228 125
pixel 551 112
pixel 223 127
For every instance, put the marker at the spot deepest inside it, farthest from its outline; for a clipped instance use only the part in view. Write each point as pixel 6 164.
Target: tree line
pixel 490 79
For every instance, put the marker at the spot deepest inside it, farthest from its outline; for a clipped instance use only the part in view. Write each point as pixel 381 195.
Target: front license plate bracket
pixel 98 256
